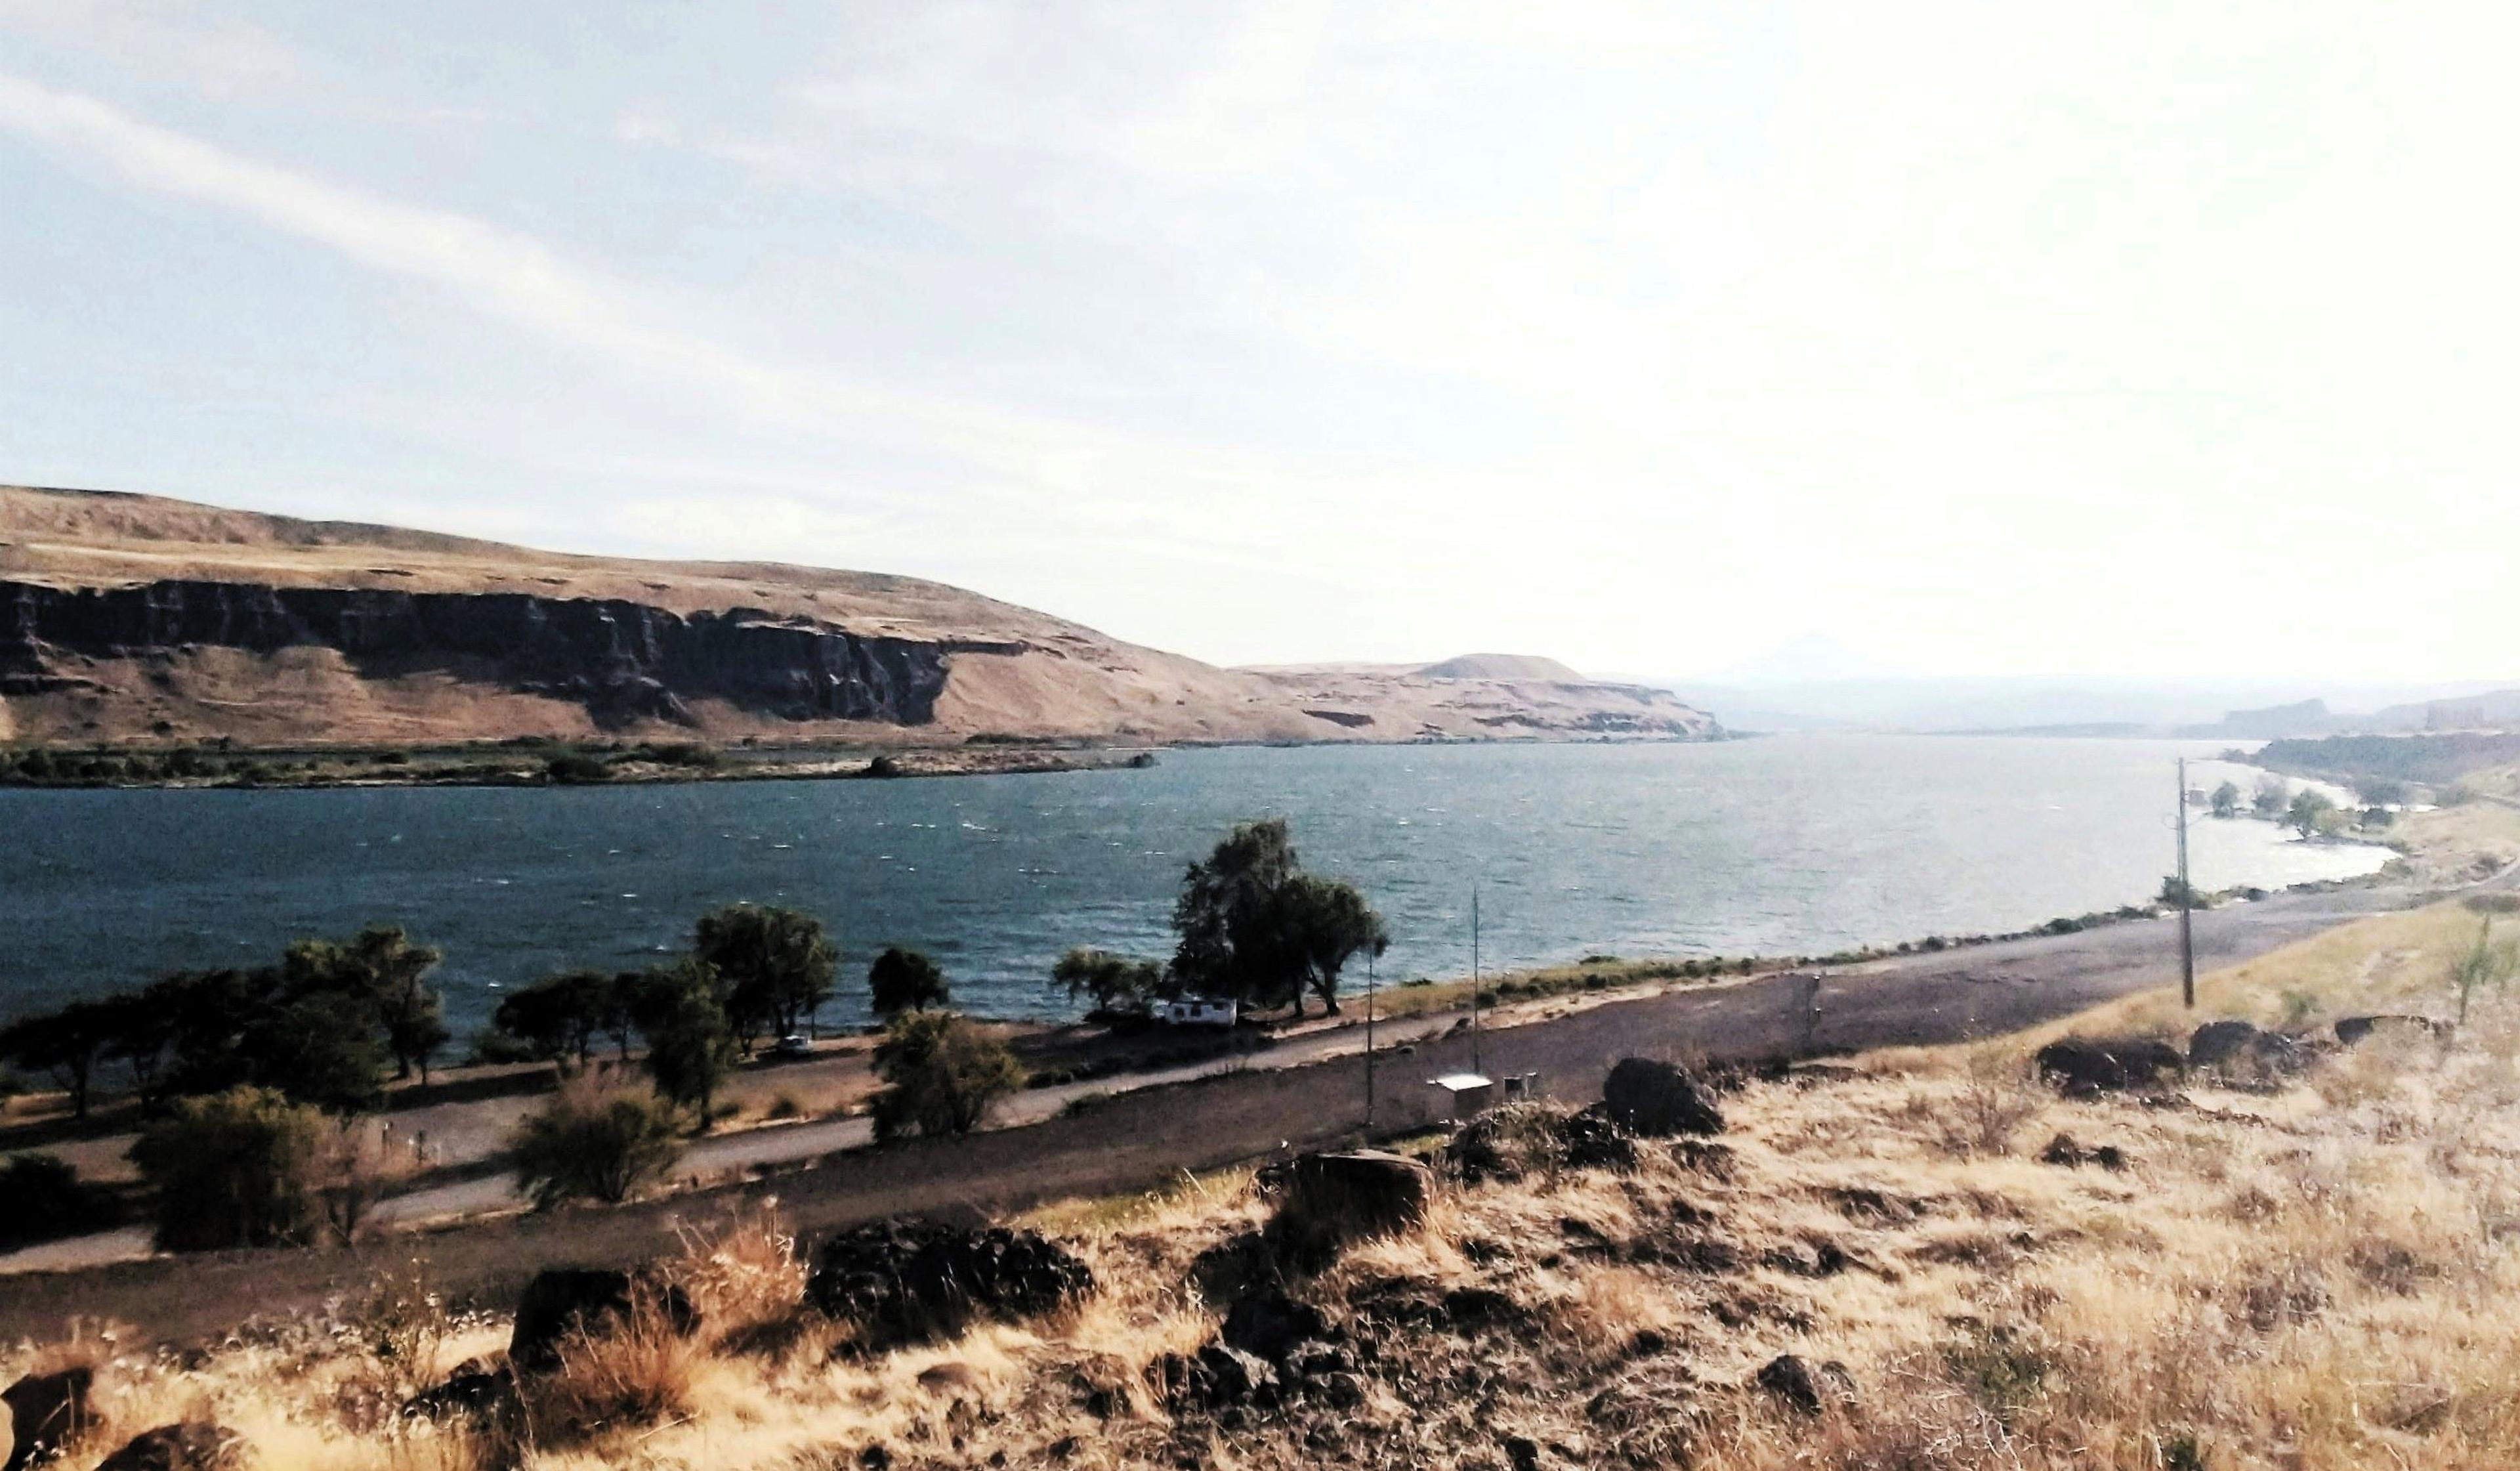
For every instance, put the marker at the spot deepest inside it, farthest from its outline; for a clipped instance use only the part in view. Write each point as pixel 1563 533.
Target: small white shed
pixel 1466 1093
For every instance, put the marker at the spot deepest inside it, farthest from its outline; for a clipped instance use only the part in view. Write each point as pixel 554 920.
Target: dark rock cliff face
pixel 624 661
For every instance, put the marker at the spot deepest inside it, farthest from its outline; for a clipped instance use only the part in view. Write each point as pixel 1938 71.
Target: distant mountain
pixel 1499 667
pixel 2204 708
pixel 136 617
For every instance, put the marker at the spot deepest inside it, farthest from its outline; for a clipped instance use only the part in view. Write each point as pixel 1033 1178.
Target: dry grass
pixel 2313 1276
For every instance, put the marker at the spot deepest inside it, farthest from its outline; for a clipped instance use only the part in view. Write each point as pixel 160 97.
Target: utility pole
pixel 1475 1065
pixel 1369 1045
pixel 2187 903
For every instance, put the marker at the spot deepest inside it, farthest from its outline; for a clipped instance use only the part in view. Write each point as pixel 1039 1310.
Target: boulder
pixel 1505 1143
pixel 1659 1100
pixel 1328 1200
pixel 2065 1151
pixel 2227 1044
pixel 902 1280
pixel 474 1389
pixel 1803 1389
pixel 564 1300
pixel 191 1445
pixel 2353 1032
pixel 1216 1376
pixel 2088 1064
pixel 1271 1324
pixel 47 1413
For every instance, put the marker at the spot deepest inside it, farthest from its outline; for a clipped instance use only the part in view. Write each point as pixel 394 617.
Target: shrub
pixel 573 767
pixel 942 1075
pixel 47 1201
pixel 594 1140
pixel 234 1169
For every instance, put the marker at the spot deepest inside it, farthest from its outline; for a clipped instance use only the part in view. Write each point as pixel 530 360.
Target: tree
pixel 594 1140
pixel 2309 808
pixel 47 1201
pixel 691 1049
pixel 905 981
pixel 1255 927
pixel 2273 796
pixel 2485 964
pixel 558 1017
pixel 776 965
pixel 234 1169
pixel 942 1074
pixel 383 966
pixel 319 1048
pixel 2226 800
pixel 1115 983
pixel 1321 924
pixel 355 1167
pixel 68 1043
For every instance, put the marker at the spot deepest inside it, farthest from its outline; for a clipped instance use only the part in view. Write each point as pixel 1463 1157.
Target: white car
pixel 793 1045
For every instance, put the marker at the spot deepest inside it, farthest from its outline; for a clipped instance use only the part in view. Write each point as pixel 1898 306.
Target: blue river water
pixel 1779 845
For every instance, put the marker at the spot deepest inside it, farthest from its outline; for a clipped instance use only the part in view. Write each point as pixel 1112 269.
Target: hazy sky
pixel 2014 337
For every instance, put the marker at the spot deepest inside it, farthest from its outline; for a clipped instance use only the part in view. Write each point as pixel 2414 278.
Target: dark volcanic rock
pixel 623 660
pixel 2088 1064
pixel 1658 1099
pixel 475 1390
pixel 2238 1044
pixel 1217 1376
pixel 46 1413
pixel 1271 1324
pixel 901 1281
pixel 2065 1151
pixel 564 1300
pixel 1500 1144
pixel 1328 1200
pixel 1803 1389
pixel 191 1445
pixel 2353 1032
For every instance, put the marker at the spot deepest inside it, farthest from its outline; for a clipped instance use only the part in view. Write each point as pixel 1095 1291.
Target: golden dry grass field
pixel 2304 1271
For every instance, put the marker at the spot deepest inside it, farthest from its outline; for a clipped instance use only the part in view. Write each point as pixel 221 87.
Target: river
pixel 1779 845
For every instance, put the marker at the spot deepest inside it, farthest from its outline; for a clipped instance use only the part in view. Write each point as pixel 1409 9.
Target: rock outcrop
pixel 626 661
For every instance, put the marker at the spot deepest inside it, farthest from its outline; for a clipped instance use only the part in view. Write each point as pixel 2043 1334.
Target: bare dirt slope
pixel 134 616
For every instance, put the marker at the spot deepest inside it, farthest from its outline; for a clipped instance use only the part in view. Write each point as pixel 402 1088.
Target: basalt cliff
pixel 134 618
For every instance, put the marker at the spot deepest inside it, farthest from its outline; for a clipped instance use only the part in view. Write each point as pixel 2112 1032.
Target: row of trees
pixel 322 1026
pixel 2307 811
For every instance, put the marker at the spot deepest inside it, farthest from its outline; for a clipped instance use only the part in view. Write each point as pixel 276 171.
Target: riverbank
pixel 535 764
pixel 1135 1133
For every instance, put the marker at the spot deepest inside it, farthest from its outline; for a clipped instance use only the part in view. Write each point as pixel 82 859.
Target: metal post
pixel 1369 1045
pixel 2187 903
pixel 1476 1065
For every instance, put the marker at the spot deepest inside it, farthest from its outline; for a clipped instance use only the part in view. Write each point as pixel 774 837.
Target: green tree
pixel 1321 924
pixel 903 980
pixel 594 1140
pixel 2226 800
pixel 558 1017
pixel 942 1074
pixel 2273 796
pixel 1255 927
pixel 138 1032
pixel 384 967
pixel 2485 964
pixel 1115 983
pixel 691 1049
pixel 2309 810
pixel 68 1043
pixel 234 1169
pixel 776 964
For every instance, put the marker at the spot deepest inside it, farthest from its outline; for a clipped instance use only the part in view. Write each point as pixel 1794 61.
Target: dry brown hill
pixel 131 617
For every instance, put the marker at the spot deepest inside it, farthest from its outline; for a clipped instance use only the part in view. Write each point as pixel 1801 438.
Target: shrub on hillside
pixel 942 1075
pixel 594 1140
pixel 235 1168
pixel 47 1201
